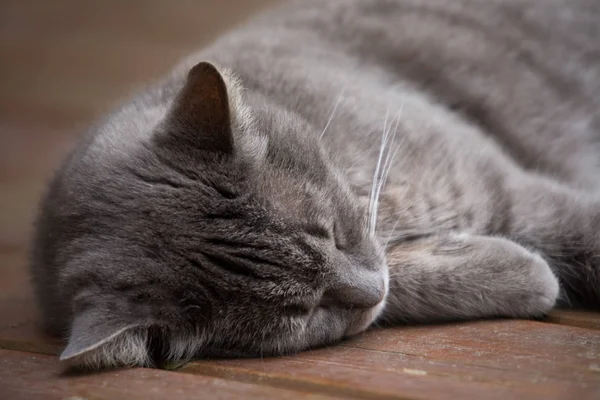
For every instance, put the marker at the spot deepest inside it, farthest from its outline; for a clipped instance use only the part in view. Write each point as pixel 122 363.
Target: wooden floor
pixel 62 63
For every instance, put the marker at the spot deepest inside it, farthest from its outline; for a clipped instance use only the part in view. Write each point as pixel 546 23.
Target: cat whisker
pixel 376 174
pixel 383 178
pixel 381 184
pixel 337 103
pixel 386 167
pixel 387 241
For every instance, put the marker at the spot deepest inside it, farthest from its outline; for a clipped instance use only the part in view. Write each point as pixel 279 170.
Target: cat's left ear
pixel 101 339
pixel 200 114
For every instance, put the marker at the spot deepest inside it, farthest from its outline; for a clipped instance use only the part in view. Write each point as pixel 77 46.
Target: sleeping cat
pixel 329 165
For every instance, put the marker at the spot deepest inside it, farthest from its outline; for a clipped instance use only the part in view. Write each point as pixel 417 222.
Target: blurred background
pixel 64 63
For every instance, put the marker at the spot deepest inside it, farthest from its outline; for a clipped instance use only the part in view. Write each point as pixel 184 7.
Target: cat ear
pixel 98 341
pixel 200 114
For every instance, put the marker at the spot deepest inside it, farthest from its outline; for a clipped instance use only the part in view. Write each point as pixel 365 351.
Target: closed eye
pixel 318 231
pixel 321 232
pixel 340 240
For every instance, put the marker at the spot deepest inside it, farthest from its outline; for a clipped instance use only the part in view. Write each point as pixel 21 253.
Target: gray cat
pixel 326 166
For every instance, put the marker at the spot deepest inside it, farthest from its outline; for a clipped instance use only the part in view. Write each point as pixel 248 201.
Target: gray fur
pixel 405 160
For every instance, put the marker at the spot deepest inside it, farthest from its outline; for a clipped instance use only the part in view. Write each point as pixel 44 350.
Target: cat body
pixel 335 163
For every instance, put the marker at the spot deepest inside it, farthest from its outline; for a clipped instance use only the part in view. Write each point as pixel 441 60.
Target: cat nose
pixel 348 296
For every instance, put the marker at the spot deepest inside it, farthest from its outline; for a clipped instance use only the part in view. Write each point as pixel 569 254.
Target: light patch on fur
pixel 242 119
pixel 183 347
pixel 126 349
pixel 379 308
pixel 246 137
pixel 129 348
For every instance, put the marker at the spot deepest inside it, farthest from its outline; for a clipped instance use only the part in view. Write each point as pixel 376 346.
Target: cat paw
pixel 541 289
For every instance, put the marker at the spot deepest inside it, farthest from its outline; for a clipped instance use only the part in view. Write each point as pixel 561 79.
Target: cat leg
pixel 464 277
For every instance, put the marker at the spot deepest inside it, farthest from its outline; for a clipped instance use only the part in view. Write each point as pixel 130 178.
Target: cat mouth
pixel 365 318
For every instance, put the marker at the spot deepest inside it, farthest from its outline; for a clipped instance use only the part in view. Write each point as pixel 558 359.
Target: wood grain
pixel 491 359
pixel 32 376
pixel 579 318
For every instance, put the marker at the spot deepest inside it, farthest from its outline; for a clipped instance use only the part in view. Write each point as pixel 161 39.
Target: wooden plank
pixel 27 336
pixel 491 359
pixel 580 318
pixel 33 376
pixel 19 328
pixel 15 312
pixel 14 279
pixel 22 182
pixel 18 313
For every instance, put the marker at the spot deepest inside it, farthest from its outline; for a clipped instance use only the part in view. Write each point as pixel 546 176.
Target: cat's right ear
pixel 200 114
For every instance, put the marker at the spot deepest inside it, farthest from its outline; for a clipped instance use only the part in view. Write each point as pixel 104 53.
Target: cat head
pixel 223 229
